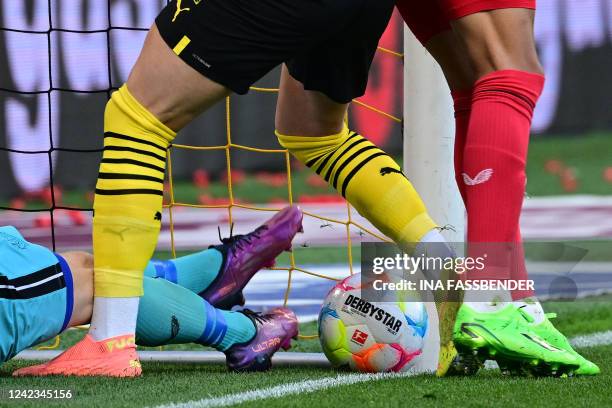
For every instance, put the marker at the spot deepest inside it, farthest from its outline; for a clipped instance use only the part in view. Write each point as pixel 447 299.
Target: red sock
pixel 463 106
pixel 494 162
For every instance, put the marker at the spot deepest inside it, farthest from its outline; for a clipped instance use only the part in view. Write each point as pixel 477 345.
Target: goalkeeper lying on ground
pixel 43 293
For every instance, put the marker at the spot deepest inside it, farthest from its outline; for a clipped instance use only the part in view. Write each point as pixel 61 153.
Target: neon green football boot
pixel 551 335
pixel 506 337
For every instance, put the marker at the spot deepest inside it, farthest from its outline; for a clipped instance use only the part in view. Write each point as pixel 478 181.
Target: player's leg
pixel 315 90
pixel 171 314
pixel 500 47
pixel 448 51
pixel 129 191
pixel 446 48
pixel 161 92
pixel 431 25
pixel 311 126
pixel 433 29
pixel 220 273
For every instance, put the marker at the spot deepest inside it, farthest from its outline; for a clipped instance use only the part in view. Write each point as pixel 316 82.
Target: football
pixel 370 336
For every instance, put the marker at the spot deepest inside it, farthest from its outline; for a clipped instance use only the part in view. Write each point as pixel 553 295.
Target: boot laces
pixel 257 316
pixel 238 242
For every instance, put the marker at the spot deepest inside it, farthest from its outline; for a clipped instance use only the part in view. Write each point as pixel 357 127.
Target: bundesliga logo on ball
pixel 370 336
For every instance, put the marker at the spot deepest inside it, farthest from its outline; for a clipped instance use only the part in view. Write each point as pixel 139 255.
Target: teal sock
pixel 171 314
pixel 195 272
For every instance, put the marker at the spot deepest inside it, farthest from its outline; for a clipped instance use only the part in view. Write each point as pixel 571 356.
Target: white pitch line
pixel 284 390
pixel 592 340
pixel 302 387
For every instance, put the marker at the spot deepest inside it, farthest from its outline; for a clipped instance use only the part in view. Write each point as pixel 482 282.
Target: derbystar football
pixel 370 336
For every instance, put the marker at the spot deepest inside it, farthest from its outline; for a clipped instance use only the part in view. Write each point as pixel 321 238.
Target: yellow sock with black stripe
pixel 129 193
pixel 369 179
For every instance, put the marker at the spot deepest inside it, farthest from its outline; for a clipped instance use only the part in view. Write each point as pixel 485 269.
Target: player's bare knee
pixel 311 126
pixel 167 87
pixel 306 113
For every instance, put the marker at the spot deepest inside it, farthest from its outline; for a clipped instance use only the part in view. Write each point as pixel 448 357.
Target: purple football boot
pixel 245 255
pixel 274 331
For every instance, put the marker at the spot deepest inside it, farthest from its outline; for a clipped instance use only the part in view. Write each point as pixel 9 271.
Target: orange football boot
pixel 114 357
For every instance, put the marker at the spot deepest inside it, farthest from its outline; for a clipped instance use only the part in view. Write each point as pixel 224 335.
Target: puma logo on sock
pixel 388 170
pixel 158 216
pixel 480 178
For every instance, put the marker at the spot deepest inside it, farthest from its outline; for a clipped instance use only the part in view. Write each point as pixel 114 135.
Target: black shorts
pixel 328 45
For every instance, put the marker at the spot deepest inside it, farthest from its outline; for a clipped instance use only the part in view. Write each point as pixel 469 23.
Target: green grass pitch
pixel 176 383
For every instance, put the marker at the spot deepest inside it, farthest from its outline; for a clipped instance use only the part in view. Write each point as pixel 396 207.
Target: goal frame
pixel 429 136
